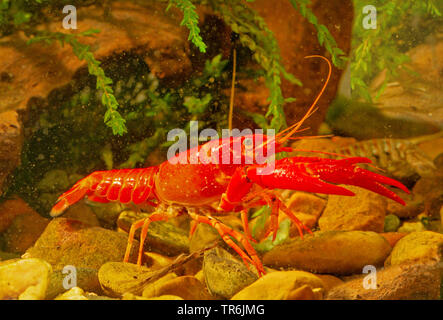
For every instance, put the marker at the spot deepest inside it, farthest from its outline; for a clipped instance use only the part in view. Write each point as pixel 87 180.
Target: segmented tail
pixel 124 185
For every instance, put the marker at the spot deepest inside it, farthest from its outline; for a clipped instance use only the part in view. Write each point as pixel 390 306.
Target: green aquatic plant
pixel 323 35
pixel 251 29
pixel 112 117
pixel 190 20
pixel 384 48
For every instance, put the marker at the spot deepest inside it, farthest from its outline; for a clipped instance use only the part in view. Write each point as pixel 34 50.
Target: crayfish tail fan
pixel 76 193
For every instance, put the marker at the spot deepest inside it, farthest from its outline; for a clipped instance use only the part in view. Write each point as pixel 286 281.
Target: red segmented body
pixel 213 186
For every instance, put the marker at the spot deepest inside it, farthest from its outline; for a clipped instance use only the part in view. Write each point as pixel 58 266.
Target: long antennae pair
pixel 292 129
pixel 295 127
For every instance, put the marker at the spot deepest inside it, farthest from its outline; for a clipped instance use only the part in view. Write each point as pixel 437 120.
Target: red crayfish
pixel 205 189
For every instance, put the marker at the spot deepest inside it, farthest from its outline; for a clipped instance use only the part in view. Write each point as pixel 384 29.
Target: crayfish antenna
pixel 294 128
pixel 231 101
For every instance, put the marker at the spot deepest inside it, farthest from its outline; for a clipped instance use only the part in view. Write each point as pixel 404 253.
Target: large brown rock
pixel 11 139
pixel 401 282
pixel 417 247
pixel 283 285
pixel 365 211
pixel 20 225
pixel 24 279
pixel 337 252
pixel 68 242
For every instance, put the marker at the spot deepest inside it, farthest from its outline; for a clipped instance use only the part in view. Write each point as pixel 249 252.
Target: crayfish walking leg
pixel 225 232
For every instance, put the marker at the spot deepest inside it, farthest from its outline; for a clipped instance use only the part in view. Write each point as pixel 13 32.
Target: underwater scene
pixel 221 150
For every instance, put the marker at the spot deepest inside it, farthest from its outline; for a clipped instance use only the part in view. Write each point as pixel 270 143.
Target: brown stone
pixel 401 282
pixel 307 209
pixel 82 212
pixel 71 242
pixel 329 281
pixel 417 247
pixel 11 139
pixel 336 252
pixel 186 287
pixel 365 211
pixel 393 237
pixel 431 190
pixel 282 285
pixel 20 225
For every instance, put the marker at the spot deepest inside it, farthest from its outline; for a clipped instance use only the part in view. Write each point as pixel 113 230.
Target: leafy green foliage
pixel 384 48
pixel 112 118
pixel 281 236
pixel 190 20
pixel 324 36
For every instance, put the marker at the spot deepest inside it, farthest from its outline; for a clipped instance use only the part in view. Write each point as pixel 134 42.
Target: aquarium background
pixel 98 85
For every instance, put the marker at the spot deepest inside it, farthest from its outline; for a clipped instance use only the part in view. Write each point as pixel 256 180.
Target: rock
pixel 412 226
pixel 60 280
pixel 281 285
pixel 186 287
pixel 83 213
pixel 329 281
pixel 321 144
pixel 9 209
pixel 107 213
pixel 75 293
pixel 11 140
pixel 156 261
pixel 224 275
pixel 365 211
pixel 338 252
pixel 305 292
pixel 163 237
pixel 431 190
pixel 393 237
pixel 420 107
pixel 392 222
pixel 203 237
pixel 8 255
pixel 68 242
pixel 130 296
pixel 24 279
pixel 400 282
pixel 307 209
pixel 20 225
pixel 417 247
pixel 414 205
pixel 116 278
